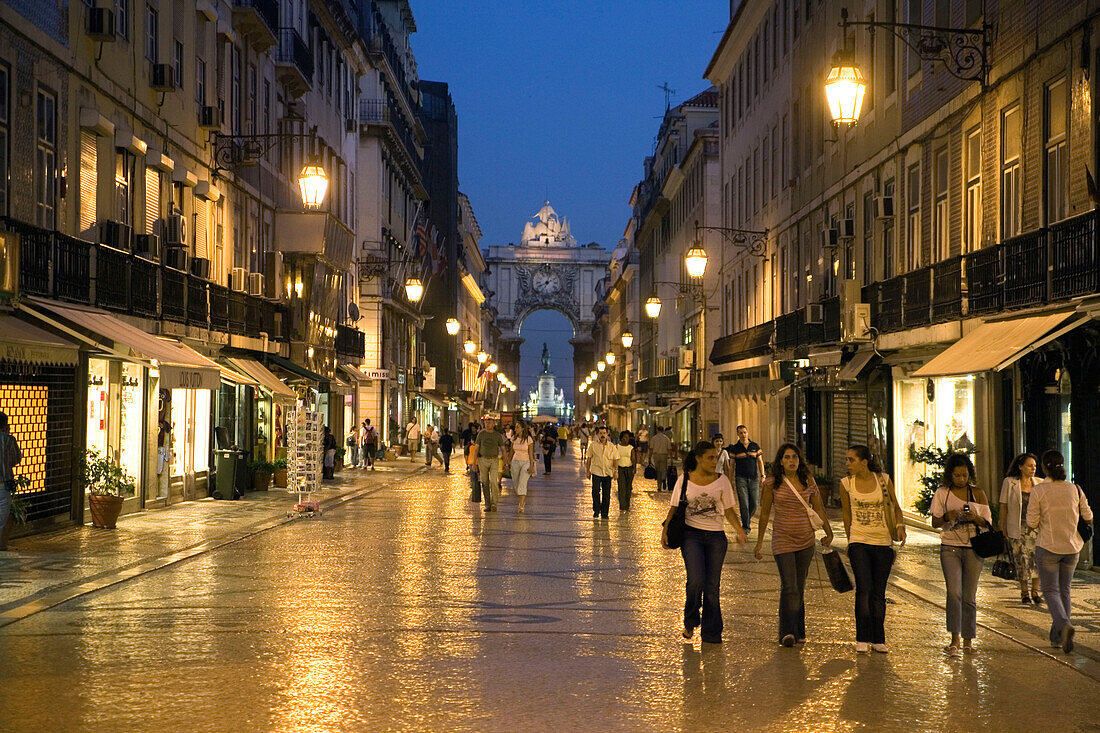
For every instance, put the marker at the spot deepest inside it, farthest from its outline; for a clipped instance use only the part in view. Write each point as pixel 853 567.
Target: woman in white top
pixel 1015 497
pixel 872 519
pixel 710 497
pixel 1055 508
pixel 523 462
pixel 960 509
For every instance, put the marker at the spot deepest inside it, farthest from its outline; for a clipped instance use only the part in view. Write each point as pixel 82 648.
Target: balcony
pixel 1075 256
pixel 744 344
pixel 947 289
pixel 173 306
pixel 985 272
pixel 890 300
pixel 917 300
pixel 144 288
pixel 350 344
pixel 257 21
pixel 112 280
pixel 1025 273
pixel 238 313
pixel 385 116
pixel 219 308
pixel 198 311
pixel 293 63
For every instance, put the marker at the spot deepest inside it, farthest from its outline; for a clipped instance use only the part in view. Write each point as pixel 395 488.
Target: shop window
pixel 132 419
pixel 26 408
pixel 98 390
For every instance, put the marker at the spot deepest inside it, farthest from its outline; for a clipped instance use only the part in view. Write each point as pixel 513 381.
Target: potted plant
pixel 339 463
pixel 280 472
pixel 262 471
pixel 108 485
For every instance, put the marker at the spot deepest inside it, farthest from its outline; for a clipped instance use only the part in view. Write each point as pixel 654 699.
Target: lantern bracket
pixel 750 241
pixel 238 151
pixel 964 52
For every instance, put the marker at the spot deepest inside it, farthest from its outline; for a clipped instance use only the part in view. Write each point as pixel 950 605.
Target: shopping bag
pixel 1004 568
pixel 650 472
pixel 838 574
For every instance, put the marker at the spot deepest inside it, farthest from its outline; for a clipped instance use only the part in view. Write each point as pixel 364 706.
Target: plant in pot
pixel 340 453
pixel 280 472
pixel 108 485
pixel 262 471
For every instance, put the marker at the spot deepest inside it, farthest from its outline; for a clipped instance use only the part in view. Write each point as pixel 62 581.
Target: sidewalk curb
pixel 50 599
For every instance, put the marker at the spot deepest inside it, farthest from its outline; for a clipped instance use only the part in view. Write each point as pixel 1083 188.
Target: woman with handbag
pixel 799 513
pixel 959 510
pixel 709 497
pixel 873 522
pixel 522 462
pixel 1061 514
pixel 1015 498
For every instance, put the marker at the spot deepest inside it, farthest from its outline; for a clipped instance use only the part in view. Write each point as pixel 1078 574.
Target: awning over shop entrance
pixel 22 342
pixel 181 367
pixel 850 371
pixel 279 391
pixel 355 373
pixel 321 383
pixel 995 345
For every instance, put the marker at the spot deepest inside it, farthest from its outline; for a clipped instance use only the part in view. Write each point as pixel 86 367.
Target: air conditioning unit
pixel 147 247
pixel 687 357
pixel 200 268
pixel 117 235
pixel 175 230
pixel 848 228
pixel 176 258
pixel 273 275
pixel 256 284
pixel 856 322
pixel 101 25
pixel 830 237
pixel 162 78
pixel 815 313
pixel 884 207
pixel 210 117
pixel 238 280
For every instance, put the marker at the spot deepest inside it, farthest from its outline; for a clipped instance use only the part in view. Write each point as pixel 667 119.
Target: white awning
pixel 850 371
pixel 268 381
pixel 22 342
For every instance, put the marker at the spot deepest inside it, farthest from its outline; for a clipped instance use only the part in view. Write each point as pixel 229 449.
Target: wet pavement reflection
pixel 410 609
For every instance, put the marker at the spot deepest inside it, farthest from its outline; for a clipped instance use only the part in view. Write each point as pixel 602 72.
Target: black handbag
pixel 650 472
pixel 987 544
pixel 670 477
pixel 1004 568
pixel 677 522
pixel 838 574
pixel 1084 527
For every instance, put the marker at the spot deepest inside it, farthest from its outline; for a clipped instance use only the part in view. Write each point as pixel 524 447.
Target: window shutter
pixel 201 228
pixel 88 182
pixel 152 199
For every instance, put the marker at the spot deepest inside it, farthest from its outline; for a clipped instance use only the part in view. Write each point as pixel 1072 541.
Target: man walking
pixel 659 448
pixel 431 446
pixel 748 467
pixel 446 447
pixel 602 464
pixel 486 452
pixel 10 456
pixel 583 434
pixel 412 437
pixel 563 438
pixel 369 436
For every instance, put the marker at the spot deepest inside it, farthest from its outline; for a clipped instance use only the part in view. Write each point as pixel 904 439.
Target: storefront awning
pixel 232 374
pixel 181 367
pixel 850 371
pixel 268 381
pixel 355 373
pixel 996 345
pixel 300 372
pixel 437 401
pixel 682 406
pixel 22 342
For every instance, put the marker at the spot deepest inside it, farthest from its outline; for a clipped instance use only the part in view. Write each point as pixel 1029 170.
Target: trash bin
pixel 231 467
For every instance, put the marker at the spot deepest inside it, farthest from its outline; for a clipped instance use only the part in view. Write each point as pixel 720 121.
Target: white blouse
pixel 1054 509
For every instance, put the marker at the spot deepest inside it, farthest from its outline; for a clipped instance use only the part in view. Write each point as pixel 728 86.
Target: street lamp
pixel 313 183
pixel 696 262
pixel 453 326
pixel 653 307
pixel 845 88
pixel 592 375
pixel 610 357
pixel 469 346
pixel 493 368
pixel 628 339
pixel 482 357
pixel 601 365
pixel 414 289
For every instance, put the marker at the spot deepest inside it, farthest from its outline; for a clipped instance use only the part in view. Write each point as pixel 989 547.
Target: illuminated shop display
pixel 98 392
pixel 25 406
pixel 190 431
pixel 132 419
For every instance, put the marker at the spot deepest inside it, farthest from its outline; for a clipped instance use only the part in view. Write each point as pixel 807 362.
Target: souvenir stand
pixel 305 430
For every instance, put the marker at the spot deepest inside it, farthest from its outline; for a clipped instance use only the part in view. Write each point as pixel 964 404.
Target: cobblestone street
pixel 403 607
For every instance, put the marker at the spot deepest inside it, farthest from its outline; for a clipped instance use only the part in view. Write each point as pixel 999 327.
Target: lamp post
pixel 453 326
pixel 627 339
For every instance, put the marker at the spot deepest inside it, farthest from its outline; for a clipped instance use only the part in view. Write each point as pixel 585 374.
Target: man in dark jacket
pixel 10 456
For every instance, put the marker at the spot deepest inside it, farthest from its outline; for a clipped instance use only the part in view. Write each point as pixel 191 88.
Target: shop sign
pixel 181 377
pixel 376 373
pixel 429 378
pixel 401 377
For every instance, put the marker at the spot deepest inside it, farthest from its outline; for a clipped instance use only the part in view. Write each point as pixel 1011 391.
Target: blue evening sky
pixel 560 99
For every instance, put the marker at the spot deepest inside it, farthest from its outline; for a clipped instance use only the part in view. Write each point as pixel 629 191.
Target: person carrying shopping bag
pixel 1015 499
pixel 790 490
pixel 523 462
pixel 872 522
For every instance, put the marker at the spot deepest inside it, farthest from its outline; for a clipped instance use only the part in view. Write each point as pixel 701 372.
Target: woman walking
pixel 523 462
pixel 709 497
pixel 549 445
pixel 960 509
pixel 872 520
pixel 628 457
pixel 792 535
pixel 1055 509
pixel 1015 498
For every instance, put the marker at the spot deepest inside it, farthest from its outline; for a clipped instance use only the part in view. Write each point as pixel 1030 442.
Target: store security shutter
pixel 88 163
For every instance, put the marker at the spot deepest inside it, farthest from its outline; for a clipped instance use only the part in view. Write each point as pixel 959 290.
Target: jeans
pixel 447 461
pixel 704 552
pixel 1055 573
pixel 353 455
pixel 793 567
pixel 748 496
pixel 488 470
pixel 626 486
pixel 961 568
pixel 431 448
pixel 561 444
pixel 660 465
pixel 5 506
pixel 871 565
pixel 601 495
pixel 521 472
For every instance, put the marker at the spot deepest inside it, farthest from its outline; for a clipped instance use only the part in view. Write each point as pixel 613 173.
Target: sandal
pixel 952 650
pixel 688 632
pixel 1025 598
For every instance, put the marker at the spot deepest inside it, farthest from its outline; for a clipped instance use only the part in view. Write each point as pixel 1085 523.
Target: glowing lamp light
pixel 844 89
pixel 512 387
pixel 469 346
pixel 628 339
pixel 696 261
pixel 601 365
pixel 500 377
pixel 482 357
pixel 653 307
pixel 313 183
pixel 592 375
pixel 610 357
pixel 414 289
pixel 453 326
pixel 493 369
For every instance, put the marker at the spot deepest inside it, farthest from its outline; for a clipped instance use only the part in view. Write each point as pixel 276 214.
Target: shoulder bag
pixel 815 519
pixel 989 543
pixel 1084 527
pixel 650 472
pixel 889 509
pixel 838 574
pixel 678 521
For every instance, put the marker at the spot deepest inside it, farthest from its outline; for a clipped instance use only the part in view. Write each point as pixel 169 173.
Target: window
pixel 1055 160
pixel 974 10
pixel 267 107
pixel 973 234
pixel 152 199
pixel 200 82
pixel 45 163
pixel 151 40
pixel 889 54
pixel 122 18
pixel 784 170
pixel 5 134
pixel 912 222
pixel 89 163
pixel 252 101
pixel 869 97
pixel 177 57
pixel 765 170
pixel 887 258
pixel 940 214
pixel 124 186
pixel 1010 172
pixel 235 91
pixel 869 237
pixel 913 17
pixel 849 246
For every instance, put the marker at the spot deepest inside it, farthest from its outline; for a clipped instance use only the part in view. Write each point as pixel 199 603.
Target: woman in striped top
pixel 792 535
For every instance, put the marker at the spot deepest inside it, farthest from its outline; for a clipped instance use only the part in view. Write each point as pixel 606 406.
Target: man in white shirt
pixel 602 464
pixel 412 437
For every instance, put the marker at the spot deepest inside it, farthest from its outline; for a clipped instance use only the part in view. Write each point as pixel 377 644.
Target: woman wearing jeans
pixel 792 535
pixel 1055 507
pixel 709 497
pixel 871 519
pixel 960 509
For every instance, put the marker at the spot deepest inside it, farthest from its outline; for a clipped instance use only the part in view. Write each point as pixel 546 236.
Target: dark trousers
pixel 703 552
pixel 793 567
pixel 561 444
pixel 871 565
pixel 546 456
pixel 601 495
pixel 626 486
pixel 447 461
pixel 475 485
